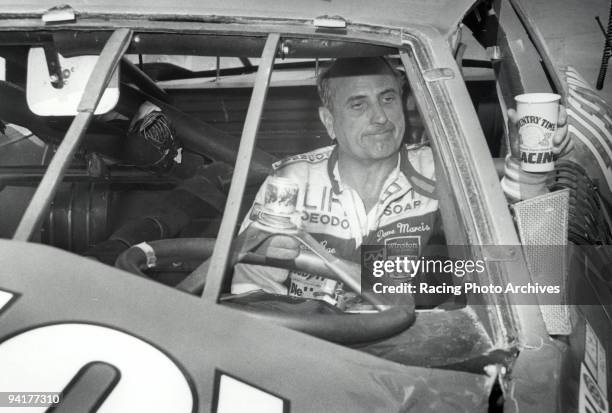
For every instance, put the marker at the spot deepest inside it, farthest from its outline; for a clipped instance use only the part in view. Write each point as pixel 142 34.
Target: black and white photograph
pixel 295 206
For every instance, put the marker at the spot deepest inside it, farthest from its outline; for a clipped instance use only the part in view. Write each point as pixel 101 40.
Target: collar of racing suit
pixel 402 179
pixel 420 183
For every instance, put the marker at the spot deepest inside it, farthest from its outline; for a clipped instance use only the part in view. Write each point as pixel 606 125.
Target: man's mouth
pixel 379 133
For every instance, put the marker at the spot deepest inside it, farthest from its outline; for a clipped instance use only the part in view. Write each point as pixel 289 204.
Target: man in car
pixel 368 188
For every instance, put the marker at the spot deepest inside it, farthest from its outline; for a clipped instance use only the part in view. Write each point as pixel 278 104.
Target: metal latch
pixel 443 73
pixel 494 53
pixel 330 22
pixel 59 14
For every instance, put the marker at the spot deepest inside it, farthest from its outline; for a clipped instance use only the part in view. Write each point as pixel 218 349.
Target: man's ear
pixel 328 121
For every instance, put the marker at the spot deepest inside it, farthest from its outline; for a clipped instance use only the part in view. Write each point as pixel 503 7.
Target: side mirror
pixel 45 98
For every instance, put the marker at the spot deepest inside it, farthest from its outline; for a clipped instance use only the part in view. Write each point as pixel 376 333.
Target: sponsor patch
pixel 305 285
pixel 403 246
pixel 311 157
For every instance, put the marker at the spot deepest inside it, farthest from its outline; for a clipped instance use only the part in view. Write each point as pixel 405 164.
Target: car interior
pixel 208 90
pixel 130 183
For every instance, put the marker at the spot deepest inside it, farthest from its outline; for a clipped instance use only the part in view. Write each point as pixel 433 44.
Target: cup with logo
pixel 538 114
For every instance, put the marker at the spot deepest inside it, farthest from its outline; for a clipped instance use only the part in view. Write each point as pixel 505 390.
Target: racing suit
pixel 406 215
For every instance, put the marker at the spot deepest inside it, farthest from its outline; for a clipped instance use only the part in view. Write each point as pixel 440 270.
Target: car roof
pixel 441 14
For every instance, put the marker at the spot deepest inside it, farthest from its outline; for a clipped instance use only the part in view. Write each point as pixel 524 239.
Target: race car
pixel 135 136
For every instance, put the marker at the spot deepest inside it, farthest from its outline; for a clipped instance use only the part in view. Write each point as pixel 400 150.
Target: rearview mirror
pixel 45 99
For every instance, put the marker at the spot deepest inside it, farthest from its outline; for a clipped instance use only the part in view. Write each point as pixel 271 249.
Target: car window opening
pixel 187 96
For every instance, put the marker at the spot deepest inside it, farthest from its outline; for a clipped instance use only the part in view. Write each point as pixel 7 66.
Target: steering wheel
pixel 314 317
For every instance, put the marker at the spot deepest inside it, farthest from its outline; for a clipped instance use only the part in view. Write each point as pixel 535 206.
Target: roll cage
pixel 473 205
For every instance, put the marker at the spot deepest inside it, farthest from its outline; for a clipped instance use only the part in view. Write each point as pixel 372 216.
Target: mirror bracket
pixel 56 74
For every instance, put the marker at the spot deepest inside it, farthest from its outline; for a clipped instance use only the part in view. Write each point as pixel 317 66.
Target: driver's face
pixel 366 115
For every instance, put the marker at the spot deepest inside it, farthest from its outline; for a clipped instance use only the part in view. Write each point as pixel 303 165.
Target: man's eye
pixel 357 105
pixel 389 98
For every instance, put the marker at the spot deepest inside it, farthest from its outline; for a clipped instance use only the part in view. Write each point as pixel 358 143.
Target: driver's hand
pixel 562 143
pixel 282 247
pixel 518 184
pixel 249 277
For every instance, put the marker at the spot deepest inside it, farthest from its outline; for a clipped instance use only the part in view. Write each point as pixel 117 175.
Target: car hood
pixel 441 14
pixel 44 294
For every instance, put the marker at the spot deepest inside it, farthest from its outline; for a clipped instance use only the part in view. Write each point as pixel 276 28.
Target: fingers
pixel 562 143
pixel 282 253
pixel 513 117
pixel 561 133
pixel 281 247
pixel 562 120
pixel 283 241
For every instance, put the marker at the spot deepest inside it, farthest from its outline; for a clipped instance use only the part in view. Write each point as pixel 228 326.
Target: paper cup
pixel 537 113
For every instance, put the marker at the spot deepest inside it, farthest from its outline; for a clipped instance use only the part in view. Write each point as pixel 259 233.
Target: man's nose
pixel 378 114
